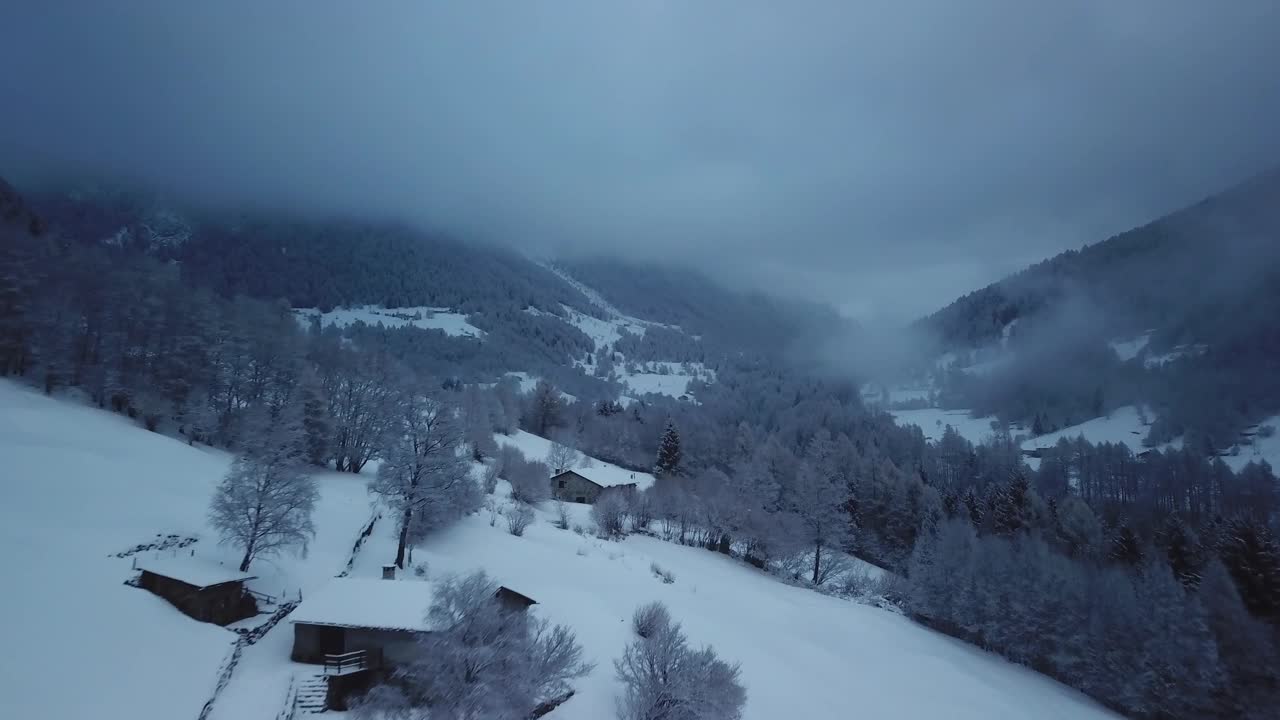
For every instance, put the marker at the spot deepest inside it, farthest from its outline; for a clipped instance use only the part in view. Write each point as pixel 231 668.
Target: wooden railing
pixel 352 662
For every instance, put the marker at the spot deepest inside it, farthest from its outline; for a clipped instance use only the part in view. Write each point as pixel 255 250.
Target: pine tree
pixel 1181 665
pixel 669 455
pixel 973 506
pixel 1126 548
pixel 545 410
pixel 1250 662
pixel 316 422
pixel 1015 507
pixel 1252 556
pixel 1182 549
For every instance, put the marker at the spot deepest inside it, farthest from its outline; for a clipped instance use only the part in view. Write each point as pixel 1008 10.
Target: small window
pixel 562 483
pixel 580 499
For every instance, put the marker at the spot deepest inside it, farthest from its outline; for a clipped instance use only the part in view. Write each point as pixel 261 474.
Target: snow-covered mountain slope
pixel 1125 425
pixel 83 484
pixel 934 421
pixel 606 474
pixel 425 318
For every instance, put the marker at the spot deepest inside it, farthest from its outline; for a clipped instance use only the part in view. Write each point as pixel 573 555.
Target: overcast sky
pixel 883 156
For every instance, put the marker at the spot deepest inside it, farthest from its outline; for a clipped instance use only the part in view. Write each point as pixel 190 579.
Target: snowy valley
pixel 801 652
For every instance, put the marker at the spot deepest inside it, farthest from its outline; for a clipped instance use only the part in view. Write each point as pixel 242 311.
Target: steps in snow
pixel 313 693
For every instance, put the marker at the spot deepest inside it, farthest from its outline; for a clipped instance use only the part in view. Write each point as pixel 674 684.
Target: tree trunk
pixel 817 561
pixel 404 537
pixel 248 557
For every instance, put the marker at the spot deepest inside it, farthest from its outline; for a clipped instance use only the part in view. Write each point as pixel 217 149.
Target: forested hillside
pixel 1195 294
pixel 1151 584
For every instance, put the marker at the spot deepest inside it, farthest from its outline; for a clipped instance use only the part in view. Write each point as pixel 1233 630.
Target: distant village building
pixel 205 590
pixel 358 629
pixel 570 486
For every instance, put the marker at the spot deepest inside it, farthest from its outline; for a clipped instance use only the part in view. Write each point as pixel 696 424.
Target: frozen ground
pixel 82 484
pixel 427 318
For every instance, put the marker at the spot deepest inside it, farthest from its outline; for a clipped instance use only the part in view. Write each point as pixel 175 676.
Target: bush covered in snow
pixel 519 518
pixel 664 678
pixel 648 619
pixel 609 514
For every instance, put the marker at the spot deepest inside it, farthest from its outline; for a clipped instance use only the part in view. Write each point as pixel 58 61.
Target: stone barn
pixel 205 590
pixel 570 486
pixel 359 629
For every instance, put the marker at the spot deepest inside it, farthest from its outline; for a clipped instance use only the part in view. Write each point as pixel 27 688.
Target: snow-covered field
pixel 427 318
pixel 1124 425
pixel 934 421
pixel 82 484
pixel 1263 448
pixel 599 471
pixel 1129 349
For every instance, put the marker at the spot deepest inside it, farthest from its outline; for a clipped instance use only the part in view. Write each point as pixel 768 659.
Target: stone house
pixel 202 589
pixel 570 486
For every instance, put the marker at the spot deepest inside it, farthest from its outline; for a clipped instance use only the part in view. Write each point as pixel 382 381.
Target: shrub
pixel 609 514
pixel 650 618
pixel 519 518
pixel 666 576
pixel 530 481
pixel 664 678
pixel 562 515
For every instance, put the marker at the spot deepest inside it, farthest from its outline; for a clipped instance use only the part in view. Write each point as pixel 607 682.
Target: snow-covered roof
pixel 368 603
pixel 604 481
pixel 193 571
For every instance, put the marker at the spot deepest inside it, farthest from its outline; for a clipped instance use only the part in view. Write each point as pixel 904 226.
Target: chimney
pixel 388 572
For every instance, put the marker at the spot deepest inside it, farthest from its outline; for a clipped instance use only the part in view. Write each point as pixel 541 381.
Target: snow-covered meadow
pixel 425 318
pixel 83 484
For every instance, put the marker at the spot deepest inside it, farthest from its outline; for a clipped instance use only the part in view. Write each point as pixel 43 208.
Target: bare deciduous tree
pixel 264 506
pixel 423 477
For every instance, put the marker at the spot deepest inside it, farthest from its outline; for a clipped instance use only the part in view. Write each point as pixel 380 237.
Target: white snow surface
pixel 606 474
pixel 802 654
pixel 1263 448
pixel 934 421
pixel 198 572
pixel 1124 425
pixel 368 603
pixel 426 318
pixel 1127 350
pixel 80 485
pixel 664 378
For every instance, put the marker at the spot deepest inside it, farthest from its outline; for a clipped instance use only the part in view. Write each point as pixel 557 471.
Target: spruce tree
pixel 1252 556
pixel 668 464
pixel 1126 548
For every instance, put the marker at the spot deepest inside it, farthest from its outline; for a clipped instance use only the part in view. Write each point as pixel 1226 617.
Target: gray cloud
pixel 883 156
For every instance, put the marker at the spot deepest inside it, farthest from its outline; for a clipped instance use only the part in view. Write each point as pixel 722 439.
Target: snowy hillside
pixel 1124 425
pixel 934 421
pixel 803 654
pixel 425 318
